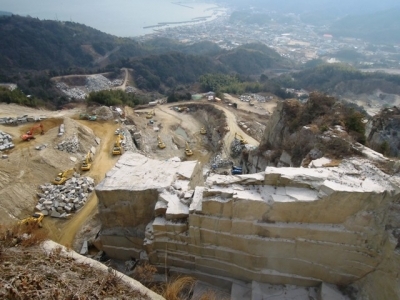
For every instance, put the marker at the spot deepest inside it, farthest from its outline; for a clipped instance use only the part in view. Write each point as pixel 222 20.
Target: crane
pixel 29 134
pixel 150 114
pixel 117 149
pixel 188 151
pixel 87 162
pixel 63 176
pixel 161 144
pixel 203 130
pixel 240 138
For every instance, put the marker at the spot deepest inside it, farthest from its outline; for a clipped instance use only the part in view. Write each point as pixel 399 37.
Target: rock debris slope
pixel 283 226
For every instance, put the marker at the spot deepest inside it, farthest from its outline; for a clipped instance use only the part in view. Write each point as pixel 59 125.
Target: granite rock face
pixel 283 226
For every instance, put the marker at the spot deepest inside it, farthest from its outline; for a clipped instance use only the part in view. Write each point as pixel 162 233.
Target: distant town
pixel 297 40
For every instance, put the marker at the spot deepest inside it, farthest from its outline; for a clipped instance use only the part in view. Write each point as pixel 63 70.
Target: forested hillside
pixel 340 78
pixel 29 43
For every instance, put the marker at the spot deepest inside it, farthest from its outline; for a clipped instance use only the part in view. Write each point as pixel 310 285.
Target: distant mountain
pixel 380 27
pixel 5 13
pixel 170 69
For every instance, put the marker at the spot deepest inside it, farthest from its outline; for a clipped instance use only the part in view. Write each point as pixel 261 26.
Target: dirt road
pixel 102 163
pixel 230 119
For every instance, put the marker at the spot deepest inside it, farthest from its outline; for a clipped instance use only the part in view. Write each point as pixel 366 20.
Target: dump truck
pixel 63 176
pixel 117 149
pixel 203 130
pixel 30 133
pixel 188 151
pixel 161 144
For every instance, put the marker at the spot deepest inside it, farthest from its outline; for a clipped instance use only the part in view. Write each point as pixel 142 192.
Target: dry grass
pixel 25 235
pixel 28 273
pixel 145 274
pixel 179 288
pixel 333 163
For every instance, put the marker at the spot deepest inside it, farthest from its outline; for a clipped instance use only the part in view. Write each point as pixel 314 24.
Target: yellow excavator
pixel 87 162
pixel 117 149
pixel 36 218
pixel 150 114
pixel 188 151
pixel 240 138
pixel 203 130
pixel 63 176
pixel 161 144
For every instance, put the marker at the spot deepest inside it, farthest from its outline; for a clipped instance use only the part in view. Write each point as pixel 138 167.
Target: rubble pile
pixel 5 141
pixel 95 83
pixel 74 93
pixel 219 162
pixel 130 89
pixel 71 145
pixel 236 148
pixel 60 201
pixel 117 82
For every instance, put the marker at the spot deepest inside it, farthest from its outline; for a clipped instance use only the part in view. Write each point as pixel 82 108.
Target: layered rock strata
pixel 282 226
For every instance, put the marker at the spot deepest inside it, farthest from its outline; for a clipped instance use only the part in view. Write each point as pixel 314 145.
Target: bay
pixel 125 18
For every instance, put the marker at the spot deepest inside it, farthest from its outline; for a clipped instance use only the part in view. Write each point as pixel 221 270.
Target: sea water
pixel 125 18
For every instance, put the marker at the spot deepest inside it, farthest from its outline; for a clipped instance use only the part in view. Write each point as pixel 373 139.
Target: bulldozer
pixel 87 162
pixel 240 138
pixel 117 149
pixel 188 151
pixel 29 134
pixel 63 176
pixel 36 218
pixel 150 114
pixel 88 117
pixel 203 131
pixel 161 144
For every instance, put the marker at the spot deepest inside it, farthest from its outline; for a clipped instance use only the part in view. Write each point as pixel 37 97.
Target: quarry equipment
pixel 236 170
pixel 87 162
pixel 29 135
pixel 203 130
pixel 88 117
pixel 150 114
pixel 161 144
pixel 63 176
pixel 188 151
pixel 117 149
pixel 36 218
pixel 240 138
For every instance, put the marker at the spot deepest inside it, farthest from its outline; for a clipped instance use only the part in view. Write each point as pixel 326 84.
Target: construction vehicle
pixel 161 144
pixel 188 151
pixel 88 117
pixel 63 176
pixel 117 149
pixel 29 135
pixel 240 138
pixel 36 218
pixel 87 162
pixel 150 114
pixel 203 130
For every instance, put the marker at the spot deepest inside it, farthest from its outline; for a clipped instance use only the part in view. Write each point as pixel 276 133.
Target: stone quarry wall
pixel 282 226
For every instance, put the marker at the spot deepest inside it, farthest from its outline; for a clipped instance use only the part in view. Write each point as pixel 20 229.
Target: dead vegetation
pixel 28 273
